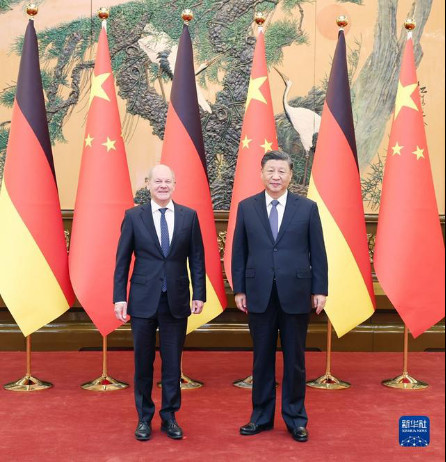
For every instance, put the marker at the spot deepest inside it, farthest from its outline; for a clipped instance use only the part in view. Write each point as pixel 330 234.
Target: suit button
pixel 276 250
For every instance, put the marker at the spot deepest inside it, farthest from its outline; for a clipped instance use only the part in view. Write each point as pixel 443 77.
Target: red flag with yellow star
pixel 258 137
pixel 409 251
pixel 104 193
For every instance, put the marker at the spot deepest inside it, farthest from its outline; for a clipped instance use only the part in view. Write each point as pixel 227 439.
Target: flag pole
pixel 246 383
pixel 104 382
pixel 328 381
pixel 405 381
pixel 28 383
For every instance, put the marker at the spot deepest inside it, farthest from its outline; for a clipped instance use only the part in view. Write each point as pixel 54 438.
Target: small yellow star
pixel 88 141
pixel 404 98
pixel 109 144
pixel 419 153
pixel 96 87
pixel 246 142
pixel 254 91
pixel 267 146
pixel 397 149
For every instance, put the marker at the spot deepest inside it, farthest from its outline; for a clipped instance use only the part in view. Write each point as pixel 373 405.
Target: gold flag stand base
pixel 244 383
pixel 104 383
pixel 328 382
pixel 27 383
pixel 405 382
pixel 186 383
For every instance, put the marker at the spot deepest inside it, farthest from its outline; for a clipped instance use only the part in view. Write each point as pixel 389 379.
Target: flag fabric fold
pixel 183 151
pixel 104 193
pixel 335 186
pixel 34 278
pixel 409 249
pixel 258 137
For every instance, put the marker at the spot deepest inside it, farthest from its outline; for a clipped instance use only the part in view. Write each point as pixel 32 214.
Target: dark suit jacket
pixel 138 237
pixel 296 261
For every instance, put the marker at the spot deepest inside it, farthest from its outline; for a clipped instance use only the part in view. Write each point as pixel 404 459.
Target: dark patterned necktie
pixel 165 244
pixel 274 219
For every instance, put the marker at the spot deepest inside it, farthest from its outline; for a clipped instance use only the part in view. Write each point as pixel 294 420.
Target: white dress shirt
pixel 170 218
pixel 280 206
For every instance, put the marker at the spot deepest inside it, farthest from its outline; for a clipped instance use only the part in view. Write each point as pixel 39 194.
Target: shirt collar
pixel 156 207
pixel 282 199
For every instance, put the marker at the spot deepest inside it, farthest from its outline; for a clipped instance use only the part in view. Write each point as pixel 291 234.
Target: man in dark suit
pixel 162 236
pixel 279 271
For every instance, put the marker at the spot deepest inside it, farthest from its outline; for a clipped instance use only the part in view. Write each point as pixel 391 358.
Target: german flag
pixel 183 151
pixel 409 250
pixel 336 187
pixel 34 280
pixel 257 138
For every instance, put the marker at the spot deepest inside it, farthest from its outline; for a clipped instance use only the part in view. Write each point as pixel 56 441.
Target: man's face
pixel 276 176
pixel 161 185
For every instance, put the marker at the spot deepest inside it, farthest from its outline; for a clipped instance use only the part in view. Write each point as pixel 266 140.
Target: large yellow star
pixel 254 91
pixel 397 149
pixel 109 144
pixel 404 98
pixel 88 141
pixel 419 153
pixel 246 142
pixel 267 146
pixel 96 87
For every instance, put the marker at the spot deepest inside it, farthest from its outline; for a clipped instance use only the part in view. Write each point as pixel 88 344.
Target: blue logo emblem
pixel 414 431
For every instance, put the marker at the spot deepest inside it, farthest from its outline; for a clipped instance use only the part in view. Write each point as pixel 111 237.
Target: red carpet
pixel 67 423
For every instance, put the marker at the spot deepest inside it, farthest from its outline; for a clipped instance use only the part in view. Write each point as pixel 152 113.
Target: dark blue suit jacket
pixel 138 237
pixel 297 260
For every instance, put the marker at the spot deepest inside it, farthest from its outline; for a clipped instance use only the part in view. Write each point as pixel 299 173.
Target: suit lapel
pixel 260 206
pixel 147 218
pixel 290 210
pixel 179 217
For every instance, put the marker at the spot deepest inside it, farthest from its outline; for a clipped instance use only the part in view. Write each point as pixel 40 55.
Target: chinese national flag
pixel 183 151
pixel 258 137
pixel 34 280
pixel 104 193
pixel 409 251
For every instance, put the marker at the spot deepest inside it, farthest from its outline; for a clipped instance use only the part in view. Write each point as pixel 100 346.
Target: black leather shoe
pixel 299 434
pixel 143 431
pixel 172 429
pixel 252 429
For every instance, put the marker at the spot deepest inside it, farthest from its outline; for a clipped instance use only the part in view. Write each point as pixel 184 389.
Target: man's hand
pixel 121 311
pixel 240 301
pixel 319 303
pixel 197 306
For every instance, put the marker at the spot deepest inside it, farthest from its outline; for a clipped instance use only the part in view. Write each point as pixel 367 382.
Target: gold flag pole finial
pixel 31 10
pixel 410 25
pixel 260 19
pixel 103 13
pixel 342 21
pixel 187 16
